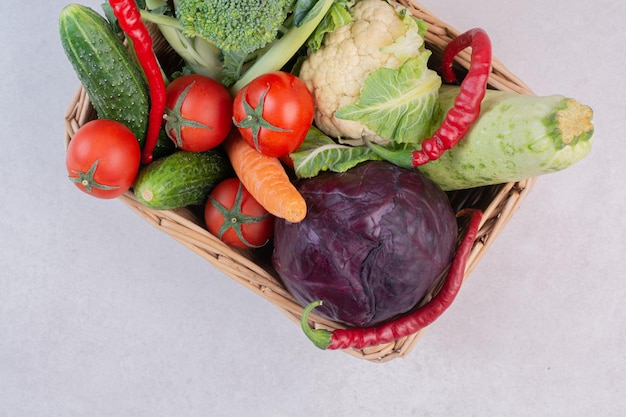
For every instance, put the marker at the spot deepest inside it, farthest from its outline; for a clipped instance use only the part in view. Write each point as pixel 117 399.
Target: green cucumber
pixel 109 73
pixel 114 82
pixel 515 137
pixel 180 179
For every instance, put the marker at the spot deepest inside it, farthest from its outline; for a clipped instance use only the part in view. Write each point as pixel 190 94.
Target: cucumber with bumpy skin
pixel 180 179
pixel 113 80
pixel 515 137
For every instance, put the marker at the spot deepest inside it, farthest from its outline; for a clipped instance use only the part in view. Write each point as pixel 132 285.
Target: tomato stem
pixel 88 181
pixel 174 120
pixel 236 216
pixel 254 117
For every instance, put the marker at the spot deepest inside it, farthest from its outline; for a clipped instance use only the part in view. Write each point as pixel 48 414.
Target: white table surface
pixel 102 315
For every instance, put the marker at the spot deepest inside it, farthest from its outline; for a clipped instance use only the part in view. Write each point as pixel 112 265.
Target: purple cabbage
pixel 374 241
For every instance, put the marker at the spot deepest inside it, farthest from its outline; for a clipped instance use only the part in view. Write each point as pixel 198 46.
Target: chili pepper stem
pixel 320 337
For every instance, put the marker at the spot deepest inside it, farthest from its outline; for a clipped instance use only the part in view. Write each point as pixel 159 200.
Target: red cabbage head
pixel 374 241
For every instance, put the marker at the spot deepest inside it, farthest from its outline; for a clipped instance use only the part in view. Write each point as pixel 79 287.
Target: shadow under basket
pixel 253 269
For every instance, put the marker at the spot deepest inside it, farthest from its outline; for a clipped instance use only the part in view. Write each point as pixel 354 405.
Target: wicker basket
pixel 254 270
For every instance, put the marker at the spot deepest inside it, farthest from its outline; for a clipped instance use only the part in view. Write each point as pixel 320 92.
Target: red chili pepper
pixel 466 107
pixel 410 323
pixel 129 19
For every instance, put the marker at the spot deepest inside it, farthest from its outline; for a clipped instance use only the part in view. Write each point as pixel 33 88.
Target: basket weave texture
pixel 253 269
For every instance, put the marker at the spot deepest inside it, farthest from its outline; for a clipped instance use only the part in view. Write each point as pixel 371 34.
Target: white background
pixel 102 315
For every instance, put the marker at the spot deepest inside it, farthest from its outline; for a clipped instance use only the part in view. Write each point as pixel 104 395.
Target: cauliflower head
pixel 381 35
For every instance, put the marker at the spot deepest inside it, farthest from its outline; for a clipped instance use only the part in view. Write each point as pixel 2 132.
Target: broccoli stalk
pixel 200 56
pixel 284 48
pixel 235 68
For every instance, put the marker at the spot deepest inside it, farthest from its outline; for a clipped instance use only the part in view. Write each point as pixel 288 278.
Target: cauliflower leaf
pixel 320 153
pixel 337 16
pixel 399 104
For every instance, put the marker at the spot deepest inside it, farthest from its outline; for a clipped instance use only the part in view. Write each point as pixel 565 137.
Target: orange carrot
pixel 265 178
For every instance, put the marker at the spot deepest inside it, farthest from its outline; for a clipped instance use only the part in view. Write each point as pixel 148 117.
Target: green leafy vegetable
pixel 239 26
pixel 399 104
pixel 319 153
pixel 369 75
pixel 515 137
pixel 337 16
pixel 236 62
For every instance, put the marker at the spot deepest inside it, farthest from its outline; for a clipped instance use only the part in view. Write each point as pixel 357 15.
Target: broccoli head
pixel 241 26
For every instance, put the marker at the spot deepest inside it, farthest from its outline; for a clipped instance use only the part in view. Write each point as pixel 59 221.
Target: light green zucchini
pixel 516 137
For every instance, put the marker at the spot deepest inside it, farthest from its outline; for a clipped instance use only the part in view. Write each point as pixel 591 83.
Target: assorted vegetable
pixel 317 127
pixel 241 26
pixel 181 179
pixel 374 241
pixel 198 112
pixel 102 158
pixel 466 106
pixel 266 179
pixel 370 78
pixel 515 137
pixel 402 326
pixel 116 86
pixel 234 216
pixel 274 113
pixel 235 69
pixel 130 22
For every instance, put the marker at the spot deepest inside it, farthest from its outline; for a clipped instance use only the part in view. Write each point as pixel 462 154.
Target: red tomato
pixel 233 215
pixel 274 113
pixel 198 113
pixel 103 158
